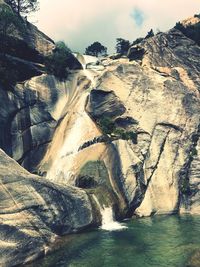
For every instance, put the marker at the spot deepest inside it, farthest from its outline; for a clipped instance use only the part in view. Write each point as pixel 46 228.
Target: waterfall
pixel 63 160
pixel 86 59
pixel 108 221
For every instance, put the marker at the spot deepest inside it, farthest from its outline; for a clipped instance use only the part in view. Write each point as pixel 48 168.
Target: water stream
pixel 162 241
pixel 76 127
pixel 108 221
pixel 108 218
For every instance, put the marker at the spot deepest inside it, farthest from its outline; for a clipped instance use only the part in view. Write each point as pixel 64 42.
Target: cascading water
pixel 108 222
pixel 86 59
pixel 75 129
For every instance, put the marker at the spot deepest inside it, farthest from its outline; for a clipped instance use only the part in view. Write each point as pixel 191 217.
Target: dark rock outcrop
pixel 104 103
pixel 136 52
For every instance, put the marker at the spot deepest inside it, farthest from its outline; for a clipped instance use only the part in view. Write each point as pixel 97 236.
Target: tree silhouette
pixel 96 49
pixel 122 46
pixel 23 6
pixel 150 34
pixel 191 31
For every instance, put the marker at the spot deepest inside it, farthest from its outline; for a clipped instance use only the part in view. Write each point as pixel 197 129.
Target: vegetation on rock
pixel 122 46
pixel 23 6
pixel 9 22
pixel 191 31
pixel 185 187
pixel 96 49
pixel 109 127
pixel 150 34
pixel 137 41
pixel 60 62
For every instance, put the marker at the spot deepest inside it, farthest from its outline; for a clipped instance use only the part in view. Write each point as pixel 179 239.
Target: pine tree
pixel 96 49
pixel 22 7
pixel 122 46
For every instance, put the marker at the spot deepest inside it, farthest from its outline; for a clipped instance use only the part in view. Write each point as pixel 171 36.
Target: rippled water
pixel 163 241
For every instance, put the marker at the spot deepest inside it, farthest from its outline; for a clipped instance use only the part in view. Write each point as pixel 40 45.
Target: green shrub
pixel 96 49
pixel 194 152
pixel 191 31
pixel 125 135
pixel 122 46
pixel 58 63
pixel 9 24
pixel 137 41
pixel 108 127
pixel 185 187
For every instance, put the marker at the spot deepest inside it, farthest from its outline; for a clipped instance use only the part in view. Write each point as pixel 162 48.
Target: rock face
pixel 156 96
pixel 30 115
pixel 126 132
pixel 34 212
pixel 27 42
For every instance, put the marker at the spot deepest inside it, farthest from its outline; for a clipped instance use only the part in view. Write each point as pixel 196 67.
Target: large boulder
pixel 34 212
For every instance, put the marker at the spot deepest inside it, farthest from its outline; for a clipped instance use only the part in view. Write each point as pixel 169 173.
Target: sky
pixel 81 22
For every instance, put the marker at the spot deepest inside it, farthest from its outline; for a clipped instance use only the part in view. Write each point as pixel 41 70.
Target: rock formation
pixel 156 97
pixel 34 212
pixel 124 130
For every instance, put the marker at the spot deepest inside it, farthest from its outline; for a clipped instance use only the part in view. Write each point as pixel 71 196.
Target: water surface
pixel 163 241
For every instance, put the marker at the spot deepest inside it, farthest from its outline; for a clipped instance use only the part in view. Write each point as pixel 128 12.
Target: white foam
pixel 108 222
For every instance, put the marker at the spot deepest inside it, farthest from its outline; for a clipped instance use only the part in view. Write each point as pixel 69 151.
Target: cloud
pixel 138 16
pixel 81 22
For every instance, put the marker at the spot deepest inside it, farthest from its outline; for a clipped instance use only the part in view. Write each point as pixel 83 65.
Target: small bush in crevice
pixel 109 127
pixel 126 135
pixel 193 152
pixel 185 187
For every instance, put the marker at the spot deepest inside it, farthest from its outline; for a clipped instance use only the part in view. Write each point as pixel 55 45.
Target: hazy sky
pixel 81 22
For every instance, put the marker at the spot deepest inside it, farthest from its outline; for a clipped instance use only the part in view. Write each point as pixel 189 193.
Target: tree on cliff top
pixel 122 46
pixel 150 34
pixel 191 31
pixel 23 6
pixel 96 49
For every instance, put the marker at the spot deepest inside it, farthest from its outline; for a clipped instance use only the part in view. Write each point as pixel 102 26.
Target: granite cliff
pixel 122 133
